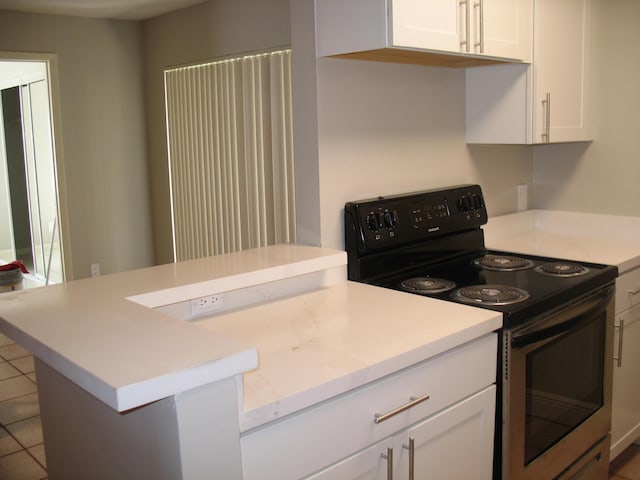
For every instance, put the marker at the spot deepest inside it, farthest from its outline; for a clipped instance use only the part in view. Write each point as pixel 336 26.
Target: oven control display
pixel 430 215
pixel 386 222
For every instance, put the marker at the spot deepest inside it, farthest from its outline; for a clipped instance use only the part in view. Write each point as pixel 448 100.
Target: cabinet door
pixel 432 25
pixel 561 70
pixel 369 464
pixel 625 418
pixel 454 444
pixel 503 28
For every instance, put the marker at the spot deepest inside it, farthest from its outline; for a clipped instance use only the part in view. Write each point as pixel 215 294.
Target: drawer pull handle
pixel 389 458
pixel 379 418
pixel 634 292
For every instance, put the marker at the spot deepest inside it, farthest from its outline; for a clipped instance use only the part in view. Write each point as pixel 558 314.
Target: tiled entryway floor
pixel 21 447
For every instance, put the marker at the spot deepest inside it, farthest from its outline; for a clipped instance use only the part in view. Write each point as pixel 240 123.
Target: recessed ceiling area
pixel 118 9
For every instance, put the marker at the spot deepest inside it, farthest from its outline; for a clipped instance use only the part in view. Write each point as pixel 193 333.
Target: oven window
pixel 564 381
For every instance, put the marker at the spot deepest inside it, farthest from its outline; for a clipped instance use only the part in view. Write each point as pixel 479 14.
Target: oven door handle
pixel 563 321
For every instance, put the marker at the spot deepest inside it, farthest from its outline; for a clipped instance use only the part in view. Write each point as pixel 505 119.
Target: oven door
pixel 557 373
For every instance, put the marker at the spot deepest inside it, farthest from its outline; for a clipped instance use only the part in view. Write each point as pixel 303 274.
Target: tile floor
pixel 21 448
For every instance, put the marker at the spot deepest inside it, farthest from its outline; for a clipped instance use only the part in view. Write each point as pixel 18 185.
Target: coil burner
pixel 502 263
pixel 490 295
pixel 562 269
pixel 427 285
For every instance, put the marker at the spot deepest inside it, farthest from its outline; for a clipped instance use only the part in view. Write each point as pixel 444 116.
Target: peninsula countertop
pixel 113 337
pixel 106 334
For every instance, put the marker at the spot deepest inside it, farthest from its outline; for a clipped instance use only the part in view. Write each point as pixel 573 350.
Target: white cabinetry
pixel 432 448
pixel 407 31
pixel 625 421
pixel 545 102
pixel 445 403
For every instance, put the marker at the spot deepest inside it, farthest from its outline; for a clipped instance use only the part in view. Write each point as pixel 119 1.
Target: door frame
pixel 51 61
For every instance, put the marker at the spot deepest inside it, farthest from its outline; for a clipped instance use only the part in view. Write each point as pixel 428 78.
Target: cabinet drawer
pixel 628 290
pixel 309 440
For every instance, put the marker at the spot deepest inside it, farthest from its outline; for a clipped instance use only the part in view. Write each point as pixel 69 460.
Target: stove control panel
pixel 387 222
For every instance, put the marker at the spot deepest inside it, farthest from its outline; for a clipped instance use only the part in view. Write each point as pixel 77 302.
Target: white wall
pixel 389 128
pixel 603 176
pixel 101 96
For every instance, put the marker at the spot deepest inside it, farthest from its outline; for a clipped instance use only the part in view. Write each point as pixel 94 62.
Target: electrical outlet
pixel 95 269
pixel 208 304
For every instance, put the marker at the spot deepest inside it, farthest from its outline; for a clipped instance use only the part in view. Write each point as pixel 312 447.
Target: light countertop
pixel 104 334
pixel 598 238
pixel 113 337
pixel 320 344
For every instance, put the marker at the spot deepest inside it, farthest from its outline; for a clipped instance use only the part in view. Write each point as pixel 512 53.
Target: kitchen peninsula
pixel 132 385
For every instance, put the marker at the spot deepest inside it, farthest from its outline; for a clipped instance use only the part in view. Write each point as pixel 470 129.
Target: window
pixel 230 144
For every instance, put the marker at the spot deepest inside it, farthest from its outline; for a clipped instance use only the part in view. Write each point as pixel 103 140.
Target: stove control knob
pixel 477 202
pixel 390 218
pixel 374 221
pixel 465 204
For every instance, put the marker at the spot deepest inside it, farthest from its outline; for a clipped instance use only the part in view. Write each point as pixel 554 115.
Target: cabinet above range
pixel 449 33
pixel 528 80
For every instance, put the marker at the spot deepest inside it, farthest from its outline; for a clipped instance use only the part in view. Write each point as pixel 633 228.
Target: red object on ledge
pixel 15 265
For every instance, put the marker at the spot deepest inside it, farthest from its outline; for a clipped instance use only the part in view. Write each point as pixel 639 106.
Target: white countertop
pixel 107 336
pixel 103 334
pixel 320 344
pixel 598 238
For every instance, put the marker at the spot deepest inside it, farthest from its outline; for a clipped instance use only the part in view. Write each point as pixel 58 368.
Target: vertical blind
pixel 230 144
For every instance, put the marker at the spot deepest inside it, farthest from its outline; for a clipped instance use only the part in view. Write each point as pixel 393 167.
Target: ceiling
pixel 120 9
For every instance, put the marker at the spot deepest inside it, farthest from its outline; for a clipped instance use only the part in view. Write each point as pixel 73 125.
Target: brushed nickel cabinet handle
pixel 480 43
pixel 389 458
pixel 378 418
pixel 466 43
pixel 620 342
pixel 412 448
pixel 546 103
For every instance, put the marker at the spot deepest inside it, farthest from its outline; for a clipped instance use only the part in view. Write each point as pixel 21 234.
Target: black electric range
pixel 432 243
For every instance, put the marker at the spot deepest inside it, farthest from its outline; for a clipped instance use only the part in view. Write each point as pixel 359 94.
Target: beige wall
pixel 212 30
pixel 101 84
pixel 603 176
pixel 387 128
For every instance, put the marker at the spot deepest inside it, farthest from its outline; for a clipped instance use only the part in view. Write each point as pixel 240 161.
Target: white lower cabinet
pixel 453 444
pixel 445 403
pixel 625 418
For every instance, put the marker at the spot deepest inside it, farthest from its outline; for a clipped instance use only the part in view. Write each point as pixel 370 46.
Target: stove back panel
pixel 385 223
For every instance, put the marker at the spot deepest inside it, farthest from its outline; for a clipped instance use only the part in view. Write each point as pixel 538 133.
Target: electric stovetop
pixel 533 286
pixel 431 243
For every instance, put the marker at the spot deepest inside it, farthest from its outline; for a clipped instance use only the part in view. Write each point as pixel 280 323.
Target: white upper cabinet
pixel 546 102
pixel 414 31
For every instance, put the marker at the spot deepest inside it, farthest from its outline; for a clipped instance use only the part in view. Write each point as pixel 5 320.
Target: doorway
pixel 29 218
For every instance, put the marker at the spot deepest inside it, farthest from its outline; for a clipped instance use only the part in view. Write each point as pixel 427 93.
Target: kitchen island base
pixel 190 435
